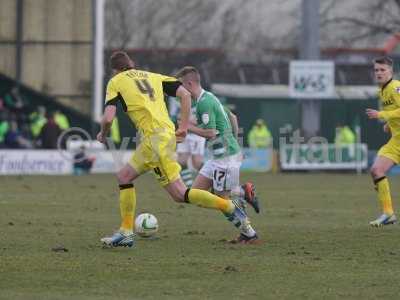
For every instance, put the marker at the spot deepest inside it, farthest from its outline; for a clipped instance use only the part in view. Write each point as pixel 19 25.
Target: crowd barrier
pixel 55 162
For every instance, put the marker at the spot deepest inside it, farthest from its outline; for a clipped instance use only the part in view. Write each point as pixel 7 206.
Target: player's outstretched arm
pixel 384 115
pixel 372 113
pixel 234 123
pixel 186 103
pixel 106 122
pixel 388 115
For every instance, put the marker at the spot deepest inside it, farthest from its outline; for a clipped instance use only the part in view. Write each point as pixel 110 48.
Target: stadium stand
pixel 23 114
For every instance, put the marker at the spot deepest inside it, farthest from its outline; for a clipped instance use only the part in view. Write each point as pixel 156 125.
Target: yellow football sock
pixel 208 200
pixel 382 186
pixel 127 205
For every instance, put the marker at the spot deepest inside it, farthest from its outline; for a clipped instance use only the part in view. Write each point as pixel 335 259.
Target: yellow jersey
pixel 141 94
pixel 389 96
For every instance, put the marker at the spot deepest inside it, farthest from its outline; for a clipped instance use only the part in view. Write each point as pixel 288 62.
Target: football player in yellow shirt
pixel 141 95
pixel 389 154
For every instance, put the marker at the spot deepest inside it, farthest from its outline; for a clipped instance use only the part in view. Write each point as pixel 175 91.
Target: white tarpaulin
pixel 34 162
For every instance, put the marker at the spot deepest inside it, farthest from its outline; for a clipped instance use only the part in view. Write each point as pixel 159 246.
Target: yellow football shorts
pixel 157 153
pixel 391 150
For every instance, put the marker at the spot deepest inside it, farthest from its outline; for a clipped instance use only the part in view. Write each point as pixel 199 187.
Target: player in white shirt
pixel 191 151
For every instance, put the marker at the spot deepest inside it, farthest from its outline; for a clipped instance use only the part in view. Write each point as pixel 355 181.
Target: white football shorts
pixel 193 144
pixel 224 172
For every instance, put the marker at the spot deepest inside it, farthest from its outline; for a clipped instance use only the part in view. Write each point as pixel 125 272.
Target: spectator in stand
pixel 4 126
pixel 49 134
pixel 344 135
pixel 61 120
pixel 259 135
pixel 14 138
pixel 38 119
pixel 2 107
pixel 13 101
pixel 82 163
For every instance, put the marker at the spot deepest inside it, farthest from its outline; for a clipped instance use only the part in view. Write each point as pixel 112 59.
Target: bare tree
pixel 228 24
pixel 142 24
pixel 117 19
pixel 368 22
pixel 247 30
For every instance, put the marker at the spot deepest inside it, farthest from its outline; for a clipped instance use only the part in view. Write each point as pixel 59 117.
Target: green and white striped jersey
pixel 212 115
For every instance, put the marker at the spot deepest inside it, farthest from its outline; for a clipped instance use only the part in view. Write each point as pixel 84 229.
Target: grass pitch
pixel 318 244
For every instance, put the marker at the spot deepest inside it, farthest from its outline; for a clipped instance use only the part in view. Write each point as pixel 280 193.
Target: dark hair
pixel 120 61
pixel 188 70
pixel 384 60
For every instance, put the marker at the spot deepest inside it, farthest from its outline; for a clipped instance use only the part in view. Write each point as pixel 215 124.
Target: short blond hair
pixel 188 71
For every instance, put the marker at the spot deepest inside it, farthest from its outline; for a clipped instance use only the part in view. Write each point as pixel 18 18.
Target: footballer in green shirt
pixel 221 172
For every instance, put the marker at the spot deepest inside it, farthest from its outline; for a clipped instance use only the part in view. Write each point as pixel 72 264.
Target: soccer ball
pixel 146 225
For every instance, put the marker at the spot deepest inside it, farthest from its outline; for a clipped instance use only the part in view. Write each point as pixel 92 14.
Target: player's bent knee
pixel 179 199
pixel 124 177
pixel 177 196
pixel 176 190
pixel 182 194
pixel 376 171
pixel 197 165
pixel 182 160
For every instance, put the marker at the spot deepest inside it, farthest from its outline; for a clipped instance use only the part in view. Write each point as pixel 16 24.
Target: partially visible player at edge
pixel 141 94
pixel 389 154
pixel 222 171
pixel 191 148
